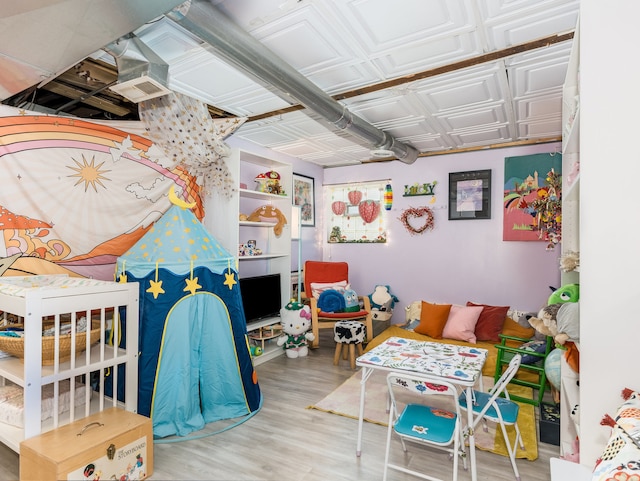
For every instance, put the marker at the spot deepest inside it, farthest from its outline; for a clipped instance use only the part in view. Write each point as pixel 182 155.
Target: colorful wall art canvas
pixel 525 179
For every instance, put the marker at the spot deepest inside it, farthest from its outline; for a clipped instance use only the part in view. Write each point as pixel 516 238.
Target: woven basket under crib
pixel 15 345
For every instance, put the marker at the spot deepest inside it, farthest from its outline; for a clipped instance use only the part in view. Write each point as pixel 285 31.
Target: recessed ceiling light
pixel 379 153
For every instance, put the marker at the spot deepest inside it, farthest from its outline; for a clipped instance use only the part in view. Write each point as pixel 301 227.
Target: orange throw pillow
pixel 433 318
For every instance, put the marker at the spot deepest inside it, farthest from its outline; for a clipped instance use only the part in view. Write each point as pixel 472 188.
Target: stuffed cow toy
pixel 296 321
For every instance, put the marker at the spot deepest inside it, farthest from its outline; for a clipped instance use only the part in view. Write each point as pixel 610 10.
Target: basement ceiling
pixel 438 75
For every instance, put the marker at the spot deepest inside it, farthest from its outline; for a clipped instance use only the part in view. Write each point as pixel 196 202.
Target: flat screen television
pixel 261 296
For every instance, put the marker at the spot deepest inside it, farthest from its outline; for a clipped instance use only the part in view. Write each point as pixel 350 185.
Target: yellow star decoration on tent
pixel 156 286
pixel 229 279
pixel 192 283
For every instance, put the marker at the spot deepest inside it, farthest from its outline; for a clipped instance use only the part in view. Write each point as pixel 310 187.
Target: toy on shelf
pixel 249 249
pixel 560 319
pixel 296 321
pixel 271 214
pixel 256 351
pixel 269 182
pixel 262 335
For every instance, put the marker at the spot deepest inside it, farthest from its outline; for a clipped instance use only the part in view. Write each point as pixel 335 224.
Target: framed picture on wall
pixel 470 195
pixel 304 196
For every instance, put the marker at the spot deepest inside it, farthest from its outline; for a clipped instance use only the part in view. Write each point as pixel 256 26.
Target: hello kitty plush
pixel 296 321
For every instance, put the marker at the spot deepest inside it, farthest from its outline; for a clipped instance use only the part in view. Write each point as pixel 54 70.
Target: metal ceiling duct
pixel 142 74
pixel 243 51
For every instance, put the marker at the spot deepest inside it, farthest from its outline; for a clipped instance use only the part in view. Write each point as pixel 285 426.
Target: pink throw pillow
pixel 462 323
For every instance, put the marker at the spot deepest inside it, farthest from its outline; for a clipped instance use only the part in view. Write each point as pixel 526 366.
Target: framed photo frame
pixel 304 196
pixel 470 195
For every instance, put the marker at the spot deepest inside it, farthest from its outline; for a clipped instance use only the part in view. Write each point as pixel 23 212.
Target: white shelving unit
pixel 222 219
pixel 570 391
pixel 59 298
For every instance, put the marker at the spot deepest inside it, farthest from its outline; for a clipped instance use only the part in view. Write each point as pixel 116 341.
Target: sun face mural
pixel 75 194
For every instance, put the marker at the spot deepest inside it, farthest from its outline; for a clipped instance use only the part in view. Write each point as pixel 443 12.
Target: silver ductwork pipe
pixel 240 49
pixel 142 74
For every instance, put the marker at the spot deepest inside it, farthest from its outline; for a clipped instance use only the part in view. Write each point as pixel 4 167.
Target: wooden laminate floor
pixel 285 441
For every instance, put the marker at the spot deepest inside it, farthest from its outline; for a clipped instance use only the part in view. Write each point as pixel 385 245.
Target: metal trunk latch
pixel 111 451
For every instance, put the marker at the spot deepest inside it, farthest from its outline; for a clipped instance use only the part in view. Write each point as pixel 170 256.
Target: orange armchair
pixel 329 272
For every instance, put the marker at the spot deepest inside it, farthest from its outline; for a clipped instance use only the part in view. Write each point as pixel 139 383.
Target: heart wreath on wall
pixel 417 219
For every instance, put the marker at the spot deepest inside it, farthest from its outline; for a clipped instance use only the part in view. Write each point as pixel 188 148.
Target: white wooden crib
pixel 56 301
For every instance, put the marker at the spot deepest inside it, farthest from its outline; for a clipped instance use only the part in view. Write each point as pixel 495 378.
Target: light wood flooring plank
pixel 287 441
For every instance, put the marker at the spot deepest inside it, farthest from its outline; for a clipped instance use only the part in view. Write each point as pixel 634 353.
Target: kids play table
pixel 460 365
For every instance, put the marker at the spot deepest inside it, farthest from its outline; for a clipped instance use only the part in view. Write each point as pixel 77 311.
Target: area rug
pixel 345 401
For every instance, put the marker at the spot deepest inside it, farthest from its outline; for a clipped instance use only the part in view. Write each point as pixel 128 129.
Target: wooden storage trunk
pixel 111 444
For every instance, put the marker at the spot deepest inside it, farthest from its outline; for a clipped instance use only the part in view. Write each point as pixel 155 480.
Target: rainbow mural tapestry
pixel 77 194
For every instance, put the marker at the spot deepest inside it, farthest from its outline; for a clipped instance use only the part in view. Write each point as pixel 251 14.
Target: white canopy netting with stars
pixel 184 129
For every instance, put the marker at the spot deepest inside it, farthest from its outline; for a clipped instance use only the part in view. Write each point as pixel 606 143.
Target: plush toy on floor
pixel 382 303
pixel 296 321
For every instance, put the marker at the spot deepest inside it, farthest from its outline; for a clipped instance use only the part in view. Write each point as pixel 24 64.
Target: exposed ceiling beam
pixel 99 102
pixel 515 143
pixel 452 67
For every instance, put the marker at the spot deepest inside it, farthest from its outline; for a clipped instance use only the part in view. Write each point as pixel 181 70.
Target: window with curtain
pixel 356 212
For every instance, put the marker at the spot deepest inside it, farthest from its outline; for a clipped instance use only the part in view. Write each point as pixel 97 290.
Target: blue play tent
pixel 195 365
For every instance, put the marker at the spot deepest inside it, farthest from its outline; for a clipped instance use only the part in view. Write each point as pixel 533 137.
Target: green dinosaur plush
pixel 566 293
pixel 560 318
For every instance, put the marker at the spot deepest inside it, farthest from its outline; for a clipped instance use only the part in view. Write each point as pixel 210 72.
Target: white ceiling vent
pixel 142 75
pixel 140 89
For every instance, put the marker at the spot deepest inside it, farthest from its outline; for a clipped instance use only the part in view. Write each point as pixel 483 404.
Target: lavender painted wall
pixel 458 260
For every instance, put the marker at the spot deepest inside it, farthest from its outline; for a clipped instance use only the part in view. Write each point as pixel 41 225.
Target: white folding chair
pixel 437 426
pixel 489 406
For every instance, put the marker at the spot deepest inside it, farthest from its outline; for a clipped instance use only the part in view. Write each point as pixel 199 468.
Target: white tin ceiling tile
pixel 472 138
pixel 426 55
pixel 345 77
pixel 380 25
pixel 540 128
pixel 252 14
pixel 540 106
pixel 307 46
pixel 532 79
pixel 265 135
pixel 463 92
pixel 536 74
pixel 337 142
pixel 558 52
pixel 493 10
pixel 302 124
pixel 427 143
pixel 526 25
pixel 384 110
pixel 410 130
pixel 206 72
pixel 485 116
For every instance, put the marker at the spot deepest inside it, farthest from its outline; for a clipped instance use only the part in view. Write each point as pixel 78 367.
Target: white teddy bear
pixel 296 321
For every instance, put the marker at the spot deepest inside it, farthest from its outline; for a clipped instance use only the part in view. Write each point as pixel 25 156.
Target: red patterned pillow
pixel 490 322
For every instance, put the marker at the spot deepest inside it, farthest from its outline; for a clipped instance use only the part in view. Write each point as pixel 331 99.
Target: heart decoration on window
pixel 417 219
pixel 369 210
pixel 338 207
pixel 355 196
